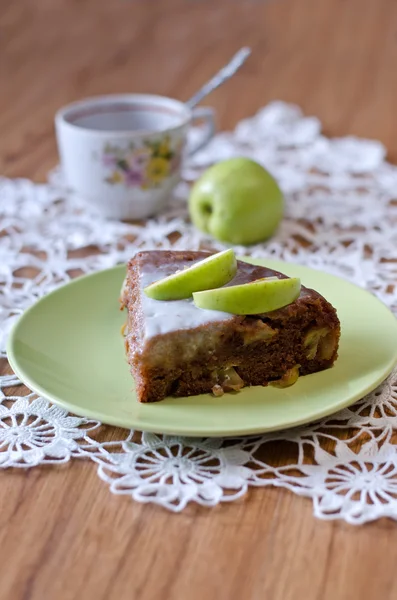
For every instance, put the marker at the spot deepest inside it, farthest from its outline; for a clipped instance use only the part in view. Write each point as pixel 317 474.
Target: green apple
pixel 254 298
pixel 212 272
pixel 236 201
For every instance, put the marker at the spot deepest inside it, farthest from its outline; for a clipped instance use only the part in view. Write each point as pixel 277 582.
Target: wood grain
pixel 62 534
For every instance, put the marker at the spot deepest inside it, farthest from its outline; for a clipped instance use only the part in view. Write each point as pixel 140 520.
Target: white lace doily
pixel 341 218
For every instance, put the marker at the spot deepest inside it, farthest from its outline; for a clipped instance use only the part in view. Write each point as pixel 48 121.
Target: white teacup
pixel 122 153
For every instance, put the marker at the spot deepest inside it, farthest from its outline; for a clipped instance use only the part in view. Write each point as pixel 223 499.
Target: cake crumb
pixel 217 390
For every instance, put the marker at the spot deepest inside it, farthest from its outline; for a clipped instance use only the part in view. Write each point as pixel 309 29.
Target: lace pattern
pixel 341 217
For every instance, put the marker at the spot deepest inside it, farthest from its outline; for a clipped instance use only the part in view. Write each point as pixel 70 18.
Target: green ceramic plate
pixel 68 348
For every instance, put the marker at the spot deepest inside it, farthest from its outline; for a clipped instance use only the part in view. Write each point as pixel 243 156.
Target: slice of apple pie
pixel 175 348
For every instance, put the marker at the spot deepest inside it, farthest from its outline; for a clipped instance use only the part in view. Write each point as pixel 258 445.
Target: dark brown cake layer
pixel 183 353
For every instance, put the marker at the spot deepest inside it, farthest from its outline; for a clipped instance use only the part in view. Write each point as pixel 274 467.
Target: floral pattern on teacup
pixel 142 166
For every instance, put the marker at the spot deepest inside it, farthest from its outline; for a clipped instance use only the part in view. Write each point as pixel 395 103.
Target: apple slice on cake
pixel 211 272
pixel 253 298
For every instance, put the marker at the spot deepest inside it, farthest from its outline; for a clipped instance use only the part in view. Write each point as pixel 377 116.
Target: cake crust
pixel 176 349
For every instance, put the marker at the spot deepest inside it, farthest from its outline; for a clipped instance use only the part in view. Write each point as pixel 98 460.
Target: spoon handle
pixel 222 76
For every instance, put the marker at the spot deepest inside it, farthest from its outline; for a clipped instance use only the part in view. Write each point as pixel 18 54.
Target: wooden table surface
pixel 62 534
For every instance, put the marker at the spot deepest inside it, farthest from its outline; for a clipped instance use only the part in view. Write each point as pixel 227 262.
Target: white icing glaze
pixel 165 316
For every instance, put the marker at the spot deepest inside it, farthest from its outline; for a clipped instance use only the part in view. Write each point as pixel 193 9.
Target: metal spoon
pixel 223 75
